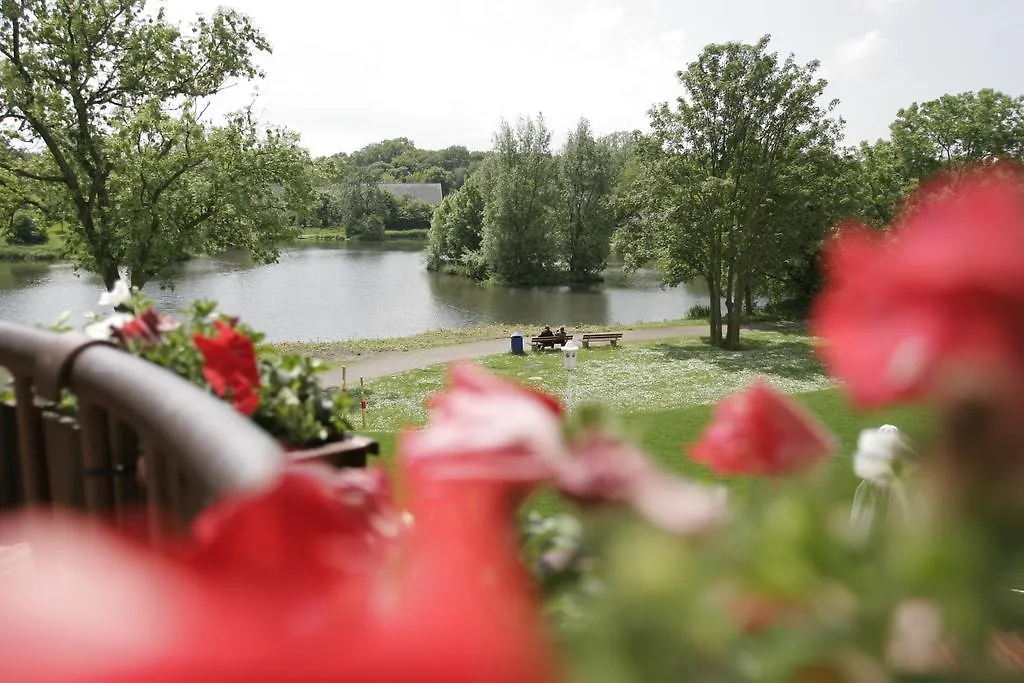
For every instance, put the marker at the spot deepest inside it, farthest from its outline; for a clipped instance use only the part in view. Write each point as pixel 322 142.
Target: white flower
pixel 102 329
pixel 877 449
pixel 119 295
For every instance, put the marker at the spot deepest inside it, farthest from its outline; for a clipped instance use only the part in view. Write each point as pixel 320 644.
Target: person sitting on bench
pixel 546 332
pixel 561 335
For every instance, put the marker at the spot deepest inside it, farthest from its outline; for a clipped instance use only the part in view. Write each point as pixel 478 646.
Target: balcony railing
pixel 131 416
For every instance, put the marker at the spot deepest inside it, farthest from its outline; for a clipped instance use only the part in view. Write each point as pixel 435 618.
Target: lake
pixel 350 291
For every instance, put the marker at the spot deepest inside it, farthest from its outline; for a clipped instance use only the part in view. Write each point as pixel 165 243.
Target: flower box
pixel 349 452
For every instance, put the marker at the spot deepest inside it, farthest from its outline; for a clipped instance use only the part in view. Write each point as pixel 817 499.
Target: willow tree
pixel 101 111
pixel 718 170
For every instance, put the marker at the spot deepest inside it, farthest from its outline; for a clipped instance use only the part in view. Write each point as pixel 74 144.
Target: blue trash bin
pixel 517 343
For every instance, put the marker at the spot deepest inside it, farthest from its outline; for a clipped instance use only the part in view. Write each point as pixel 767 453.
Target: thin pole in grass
pixel 362 402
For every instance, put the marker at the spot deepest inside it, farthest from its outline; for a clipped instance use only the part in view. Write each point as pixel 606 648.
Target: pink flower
pixel 484 427
pixel 147 328
pixel 605 469
pixel 942 291
pixel 761 431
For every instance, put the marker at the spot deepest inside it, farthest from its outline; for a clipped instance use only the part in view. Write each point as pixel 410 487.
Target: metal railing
pixel 132 416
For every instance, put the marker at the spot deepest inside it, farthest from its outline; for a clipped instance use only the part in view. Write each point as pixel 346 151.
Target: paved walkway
pixel 384 364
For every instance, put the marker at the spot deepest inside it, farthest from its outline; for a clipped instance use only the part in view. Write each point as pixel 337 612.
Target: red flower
pixel 761 431
pixel 310 581
pixel 943 290
pixel 230 366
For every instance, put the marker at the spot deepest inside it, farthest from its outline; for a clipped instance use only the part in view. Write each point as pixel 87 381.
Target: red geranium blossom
pixel 942 290
pixel 761 431
pixel 230 366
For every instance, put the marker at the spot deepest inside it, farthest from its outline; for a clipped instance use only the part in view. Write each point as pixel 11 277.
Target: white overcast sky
pixel 345 73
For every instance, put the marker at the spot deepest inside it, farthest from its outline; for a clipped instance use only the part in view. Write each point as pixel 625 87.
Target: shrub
pixel 698 312
pixel 24 230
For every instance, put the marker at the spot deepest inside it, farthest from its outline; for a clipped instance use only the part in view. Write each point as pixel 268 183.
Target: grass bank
pixel 661 394
pixel 337 351
pixel 322 235
pixel 53 250
pixel 30 252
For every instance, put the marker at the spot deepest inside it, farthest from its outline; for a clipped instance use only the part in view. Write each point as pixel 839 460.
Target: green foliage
pixel 113 96
pixel 698 312
pixel 723 174
pixel 293 406
pixel 25 230
pixel 520 212
pixel 586 220
pixel 956 131
pixel 369 227
pixel 410 214
pixel 456 229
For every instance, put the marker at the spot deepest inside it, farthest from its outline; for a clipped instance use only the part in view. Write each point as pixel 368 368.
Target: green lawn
pixel 661 394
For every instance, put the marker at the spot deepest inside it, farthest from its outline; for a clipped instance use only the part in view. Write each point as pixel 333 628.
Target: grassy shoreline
pixel 16 253
pixel 340 350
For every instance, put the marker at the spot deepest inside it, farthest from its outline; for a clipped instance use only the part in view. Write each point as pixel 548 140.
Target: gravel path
pixel 386 364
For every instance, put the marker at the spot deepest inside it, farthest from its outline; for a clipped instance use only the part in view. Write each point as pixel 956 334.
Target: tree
pixel 112 97
pixel 719 171
pixel 435 174
pixel 958 131
pixel 520 208
pixel 876 182
pixel 25 230
pixel 586 223
pixel 456 230
pixel 367 209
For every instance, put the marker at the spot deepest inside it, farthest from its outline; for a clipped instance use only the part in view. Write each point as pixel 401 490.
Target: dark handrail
pixel 223 448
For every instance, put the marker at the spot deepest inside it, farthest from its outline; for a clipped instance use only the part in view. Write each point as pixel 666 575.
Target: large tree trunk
pixel 110 276
pixel 748 299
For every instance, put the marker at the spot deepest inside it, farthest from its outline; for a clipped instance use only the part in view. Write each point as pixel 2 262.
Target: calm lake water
pixel 340 291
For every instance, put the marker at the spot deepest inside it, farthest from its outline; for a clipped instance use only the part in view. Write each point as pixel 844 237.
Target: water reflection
pixel 338 291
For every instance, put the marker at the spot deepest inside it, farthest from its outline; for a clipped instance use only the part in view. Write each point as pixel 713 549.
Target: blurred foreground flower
pixel 319 579
pixel 941 293
pixel 761 431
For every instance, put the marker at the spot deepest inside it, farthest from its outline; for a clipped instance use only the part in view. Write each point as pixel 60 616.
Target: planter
pixel 349 452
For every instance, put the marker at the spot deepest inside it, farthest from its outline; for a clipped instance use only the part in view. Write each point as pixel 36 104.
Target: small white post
pixel 569 351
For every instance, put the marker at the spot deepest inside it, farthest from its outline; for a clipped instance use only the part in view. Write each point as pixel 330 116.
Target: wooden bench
pixel 611 337
pixel 549 342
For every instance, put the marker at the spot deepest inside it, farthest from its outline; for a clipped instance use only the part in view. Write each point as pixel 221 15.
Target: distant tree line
pixel 529 216
pixel 348 194
pixel 737 183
